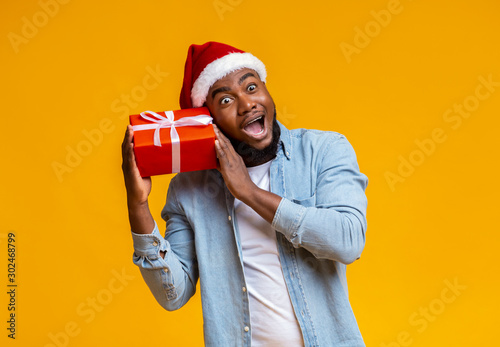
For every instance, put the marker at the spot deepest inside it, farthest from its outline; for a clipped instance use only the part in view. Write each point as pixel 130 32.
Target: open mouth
pixel 255 127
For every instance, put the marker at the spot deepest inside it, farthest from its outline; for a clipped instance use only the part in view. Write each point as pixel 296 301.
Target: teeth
pixel 256 119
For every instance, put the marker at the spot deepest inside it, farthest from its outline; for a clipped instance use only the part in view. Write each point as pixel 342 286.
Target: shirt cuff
pixel 287 218
pixel 149 245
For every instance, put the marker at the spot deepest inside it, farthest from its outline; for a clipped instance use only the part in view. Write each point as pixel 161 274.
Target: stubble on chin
pixel 253 156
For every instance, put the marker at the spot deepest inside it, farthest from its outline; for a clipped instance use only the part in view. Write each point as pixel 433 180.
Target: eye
pixel 225 100
pixel 251 87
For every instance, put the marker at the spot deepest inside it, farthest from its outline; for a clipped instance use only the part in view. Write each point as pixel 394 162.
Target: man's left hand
pixel 232 167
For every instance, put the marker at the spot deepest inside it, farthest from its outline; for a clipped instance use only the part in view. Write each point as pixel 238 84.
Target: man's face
pixel 243 108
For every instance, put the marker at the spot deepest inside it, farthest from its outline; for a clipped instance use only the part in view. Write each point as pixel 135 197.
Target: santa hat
pixel 206 64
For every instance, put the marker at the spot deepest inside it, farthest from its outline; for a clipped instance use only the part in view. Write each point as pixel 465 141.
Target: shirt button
pixel 244 289
pixel 246 329
pixel 155 243
pixel 229 217
pixel 165 269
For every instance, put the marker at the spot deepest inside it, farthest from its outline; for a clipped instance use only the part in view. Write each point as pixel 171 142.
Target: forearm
pixel 140 218
pixel 337 234
pixel 263 202
pixel 326 233
pixel 171 281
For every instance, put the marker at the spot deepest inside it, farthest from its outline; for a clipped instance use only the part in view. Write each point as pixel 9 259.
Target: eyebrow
pixel 225 89
pixel 245 76
pixel 220 90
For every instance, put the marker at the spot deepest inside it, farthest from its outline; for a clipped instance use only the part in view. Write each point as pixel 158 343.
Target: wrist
pixel 249 194
pixel 134 204
pixel 140 218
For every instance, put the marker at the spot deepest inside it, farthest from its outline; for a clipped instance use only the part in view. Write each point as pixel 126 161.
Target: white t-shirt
pixel 272 317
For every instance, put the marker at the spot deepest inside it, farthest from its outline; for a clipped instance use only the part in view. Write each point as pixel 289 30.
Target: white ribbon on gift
pixel 158 122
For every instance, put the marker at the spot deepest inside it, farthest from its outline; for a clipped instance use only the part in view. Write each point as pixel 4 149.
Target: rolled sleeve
pixel 287 218
pixel 172 278
pixel 149 245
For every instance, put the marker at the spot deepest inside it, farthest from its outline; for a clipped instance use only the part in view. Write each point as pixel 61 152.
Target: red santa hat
pixel 206 64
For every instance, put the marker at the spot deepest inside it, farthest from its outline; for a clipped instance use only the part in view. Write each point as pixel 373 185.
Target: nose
pixel 246 103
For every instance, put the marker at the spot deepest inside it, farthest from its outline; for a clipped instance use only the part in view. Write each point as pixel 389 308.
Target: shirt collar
pixel 285 141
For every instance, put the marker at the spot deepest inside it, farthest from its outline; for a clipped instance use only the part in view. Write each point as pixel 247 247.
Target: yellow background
pixel 434 226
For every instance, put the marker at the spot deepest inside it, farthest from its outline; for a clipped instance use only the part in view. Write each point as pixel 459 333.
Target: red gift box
pixel 173 141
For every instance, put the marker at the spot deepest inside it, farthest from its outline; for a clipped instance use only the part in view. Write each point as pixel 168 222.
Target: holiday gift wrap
pixel 173 141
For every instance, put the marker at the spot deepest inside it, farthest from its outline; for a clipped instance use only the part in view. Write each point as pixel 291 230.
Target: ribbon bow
pixel 158 122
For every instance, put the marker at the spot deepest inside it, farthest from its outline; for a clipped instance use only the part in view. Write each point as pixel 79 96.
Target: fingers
pixel 128 156
pixel 129 133
pixel 220 152
pixel 127 141
pixel 220 136
pixel 223 146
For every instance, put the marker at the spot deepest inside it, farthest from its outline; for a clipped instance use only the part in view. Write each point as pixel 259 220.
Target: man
pixel 269 233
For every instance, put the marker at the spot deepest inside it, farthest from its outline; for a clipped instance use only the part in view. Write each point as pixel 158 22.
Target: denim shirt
pixel 320 227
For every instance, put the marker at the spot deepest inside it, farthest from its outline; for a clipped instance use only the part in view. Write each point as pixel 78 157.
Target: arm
pixel 331 224
pixel 159 265
pixel 237 180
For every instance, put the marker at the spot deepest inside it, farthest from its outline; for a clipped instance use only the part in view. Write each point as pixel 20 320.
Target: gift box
pixel 173 141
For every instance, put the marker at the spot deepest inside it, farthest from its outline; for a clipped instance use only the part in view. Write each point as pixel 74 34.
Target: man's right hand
pixel 138 188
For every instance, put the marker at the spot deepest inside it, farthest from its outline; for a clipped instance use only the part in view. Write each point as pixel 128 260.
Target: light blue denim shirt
pixel 320 227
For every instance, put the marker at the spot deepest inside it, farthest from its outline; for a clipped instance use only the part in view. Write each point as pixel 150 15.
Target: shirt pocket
pixel 307 202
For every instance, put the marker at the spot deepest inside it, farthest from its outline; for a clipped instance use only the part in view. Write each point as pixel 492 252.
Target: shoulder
pixel 315 141
pixel 187 189
pixel 194 179
pixel 315 136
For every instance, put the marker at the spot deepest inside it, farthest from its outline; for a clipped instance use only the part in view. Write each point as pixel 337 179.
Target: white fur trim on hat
pixel 220 68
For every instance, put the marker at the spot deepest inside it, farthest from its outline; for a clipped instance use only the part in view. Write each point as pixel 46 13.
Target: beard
pixel 253 156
